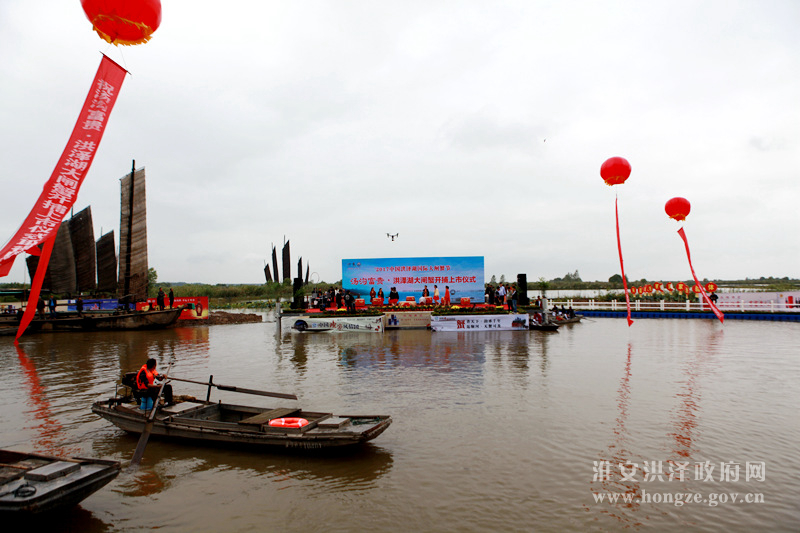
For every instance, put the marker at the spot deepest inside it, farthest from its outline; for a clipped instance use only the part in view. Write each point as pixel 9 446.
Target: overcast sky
pixel 469 128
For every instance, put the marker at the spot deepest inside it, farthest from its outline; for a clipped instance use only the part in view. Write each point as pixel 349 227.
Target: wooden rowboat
pixel 566 320
pixel 544 327
pixel 228 424
pixel 32 483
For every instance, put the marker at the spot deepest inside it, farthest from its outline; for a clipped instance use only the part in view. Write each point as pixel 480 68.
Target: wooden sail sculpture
pixel 60 277
pixel 81 232
pixel 287 263
pixel 106 263
pixel 132 283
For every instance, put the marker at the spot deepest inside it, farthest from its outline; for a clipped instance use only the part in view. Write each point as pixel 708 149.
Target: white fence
pixel 661 305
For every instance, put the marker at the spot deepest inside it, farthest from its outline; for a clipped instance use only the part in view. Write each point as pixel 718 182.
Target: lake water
pixel 493 431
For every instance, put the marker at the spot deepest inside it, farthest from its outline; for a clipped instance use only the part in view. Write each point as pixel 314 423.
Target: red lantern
pixel 678 208
pixel 123 21
pixel 711 286
pixel 615 170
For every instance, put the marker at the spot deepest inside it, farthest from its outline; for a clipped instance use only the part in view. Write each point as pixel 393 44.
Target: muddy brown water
pixel 493 431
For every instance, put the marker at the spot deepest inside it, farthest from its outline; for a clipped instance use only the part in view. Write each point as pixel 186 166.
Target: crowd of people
pixel 343 298
pixel 338 298
pixel 503 294
pixel 562 313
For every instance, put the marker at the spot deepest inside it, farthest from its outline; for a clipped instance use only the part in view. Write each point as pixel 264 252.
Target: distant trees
pixel 543 285
pixel 152 279
pixel 571 277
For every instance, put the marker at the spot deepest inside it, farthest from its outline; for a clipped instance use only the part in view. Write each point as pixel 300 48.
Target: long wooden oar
pixel 239 389
pixel 148 427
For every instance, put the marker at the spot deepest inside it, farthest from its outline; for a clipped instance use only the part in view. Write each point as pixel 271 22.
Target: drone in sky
pixel 392 236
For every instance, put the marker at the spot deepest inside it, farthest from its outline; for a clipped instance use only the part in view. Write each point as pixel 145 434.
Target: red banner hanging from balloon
pixel 622 267
pixel 61 190
pixel 699 285
pixel 36 286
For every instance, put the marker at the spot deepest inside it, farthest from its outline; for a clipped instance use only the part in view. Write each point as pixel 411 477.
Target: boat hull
pixel 564 320
pixel 544 327
pixel 217 424
pixel 116 322
pixel 35 484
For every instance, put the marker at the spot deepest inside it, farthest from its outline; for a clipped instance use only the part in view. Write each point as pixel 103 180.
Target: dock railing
pixel 685 306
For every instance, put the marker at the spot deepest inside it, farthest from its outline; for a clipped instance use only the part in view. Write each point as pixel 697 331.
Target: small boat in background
pixel 560 319
pixel 539 322
pixel 31 483
pixel 544 327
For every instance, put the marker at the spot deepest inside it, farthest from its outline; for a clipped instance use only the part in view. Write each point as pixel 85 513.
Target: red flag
pixel 61 190
pixel 622 267
pixel 700 285
pixel 36 286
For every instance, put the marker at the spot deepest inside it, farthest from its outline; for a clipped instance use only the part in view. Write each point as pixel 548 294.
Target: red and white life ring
pixel 288 422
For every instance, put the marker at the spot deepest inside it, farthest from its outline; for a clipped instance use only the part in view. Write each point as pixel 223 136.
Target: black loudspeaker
pixel 522 290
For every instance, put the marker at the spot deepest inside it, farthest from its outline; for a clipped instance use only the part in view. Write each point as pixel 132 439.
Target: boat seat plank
pixel 52 471
pixel 264 418
pixel 335 422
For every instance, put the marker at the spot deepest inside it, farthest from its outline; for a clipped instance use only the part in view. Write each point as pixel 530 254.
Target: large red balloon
pixel 124 21
pixel 615 170
pixel 678 208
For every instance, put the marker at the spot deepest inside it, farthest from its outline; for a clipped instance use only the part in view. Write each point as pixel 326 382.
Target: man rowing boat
pixel 147 386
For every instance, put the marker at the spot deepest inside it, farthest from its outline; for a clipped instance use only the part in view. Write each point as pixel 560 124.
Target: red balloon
pixel 678 208
pixel 123 21
pixel 615 170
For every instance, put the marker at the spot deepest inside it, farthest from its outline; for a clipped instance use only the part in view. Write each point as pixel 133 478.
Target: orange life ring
pixel 288 422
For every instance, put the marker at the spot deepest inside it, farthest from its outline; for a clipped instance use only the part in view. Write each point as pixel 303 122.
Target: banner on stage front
pixel 408 320
pixel 340 324
pixel 479 322
pixel 409 275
